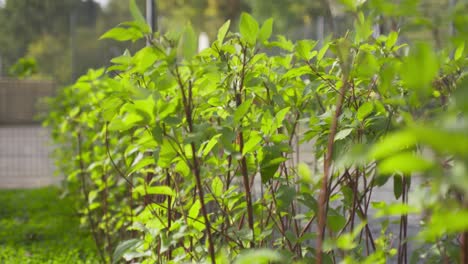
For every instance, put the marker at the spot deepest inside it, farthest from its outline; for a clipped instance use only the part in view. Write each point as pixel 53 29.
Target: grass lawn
pixel 37 226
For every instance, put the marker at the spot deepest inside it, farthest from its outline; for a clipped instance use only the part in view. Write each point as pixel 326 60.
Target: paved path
pixel 24 157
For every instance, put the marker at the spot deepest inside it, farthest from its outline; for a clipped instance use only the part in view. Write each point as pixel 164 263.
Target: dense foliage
pixel 38 226
pixel 182 156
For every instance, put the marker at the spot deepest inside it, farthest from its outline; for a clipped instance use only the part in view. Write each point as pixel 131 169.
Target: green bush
pixel 186 156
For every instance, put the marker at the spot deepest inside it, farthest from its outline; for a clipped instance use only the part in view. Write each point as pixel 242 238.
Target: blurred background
pixel 58 39
pixel 48 44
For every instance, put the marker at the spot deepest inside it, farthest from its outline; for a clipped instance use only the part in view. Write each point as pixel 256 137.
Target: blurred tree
pixel 25 21
pixel 291 15
pixel 53 57
pixel 27 24
pixel 25 67
pixel 30 26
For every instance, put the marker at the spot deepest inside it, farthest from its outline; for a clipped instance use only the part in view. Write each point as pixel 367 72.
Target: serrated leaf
pixel 266 30
pixel 343 134
pixel 248 28
pixel 223 31
pixel 365 110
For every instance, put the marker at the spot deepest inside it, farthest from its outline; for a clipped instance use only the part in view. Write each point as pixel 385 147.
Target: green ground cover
pixel 38 226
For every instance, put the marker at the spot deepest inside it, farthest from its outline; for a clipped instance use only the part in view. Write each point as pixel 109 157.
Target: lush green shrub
pixel 182 156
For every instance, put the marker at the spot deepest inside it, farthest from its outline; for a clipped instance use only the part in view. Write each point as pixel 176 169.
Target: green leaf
pixel 365 110
pixel 210 145
pixel 346 242
pixel 260 256
pixel 343 134
pixel 350 5
pixel 141 163
pixel 252 144
pixel 304 49
pixel 248 28
pixel 304 172
pixel 282 43
pixel 160 190
pixel 217 186
pixel 135 11
pixel 459 51
pixel 145 58
pixel 266 30
pixel 124 247
pixel 271 161
pixel 280 116
pixel 188 43
pixel 166 155
pixel 442 140
pixel 393 143
pixel 405 163
pixel 336 221
pixel 323 51
pixel 391 39
pixel 394 209
pixel 242 110
pixel 122 34
pixel 285 196
pixel 444 222
pixel 223 31
pixel 397 186
pixel 194 210
pixel 363 27
pixel 420 68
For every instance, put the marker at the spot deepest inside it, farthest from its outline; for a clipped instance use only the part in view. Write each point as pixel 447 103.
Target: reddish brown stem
pixel 243 161
pixel 187 102
pixel 323 199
